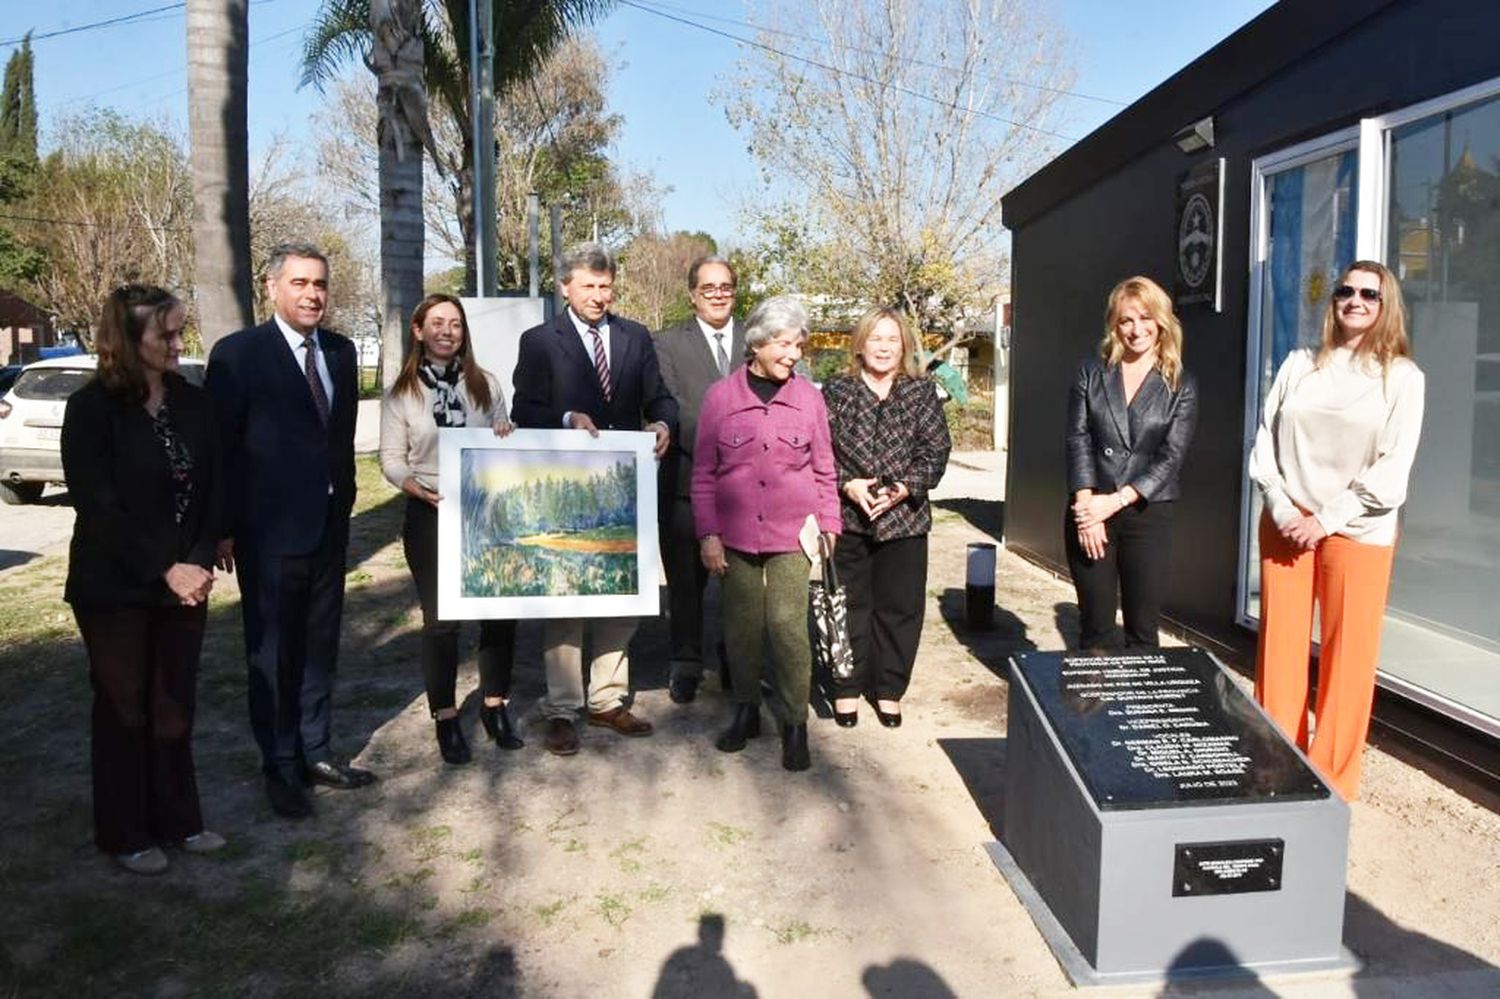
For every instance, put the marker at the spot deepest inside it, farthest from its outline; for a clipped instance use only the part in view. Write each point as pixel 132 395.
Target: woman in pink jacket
pixel 762 464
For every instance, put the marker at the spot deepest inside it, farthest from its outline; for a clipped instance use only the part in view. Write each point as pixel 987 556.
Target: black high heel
pixel 845 719
pixel 451 742
pixel 744 726
pixel 496 722
pixel 794 754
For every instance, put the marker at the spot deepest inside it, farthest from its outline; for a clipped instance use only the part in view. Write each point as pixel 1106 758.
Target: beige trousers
pixel 609 667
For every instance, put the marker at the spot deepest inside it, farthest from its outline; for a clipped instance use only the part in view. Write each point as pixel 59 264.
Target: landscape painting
pixel 546 524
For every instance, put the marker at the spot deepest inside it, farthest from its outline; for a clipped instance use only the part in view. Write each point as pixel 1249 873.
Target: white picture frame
pixel 577 542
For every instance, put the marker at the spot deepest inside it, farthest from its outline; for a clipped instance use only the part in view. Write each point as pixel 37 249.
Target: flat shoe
pixel 206 841
pixel 561 738
pixel 331 773
pixel 148 861
pixel 887 719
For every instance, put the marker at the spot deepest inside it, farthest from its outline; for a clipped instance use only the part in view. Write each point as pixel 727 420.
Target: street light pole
pixel 482 111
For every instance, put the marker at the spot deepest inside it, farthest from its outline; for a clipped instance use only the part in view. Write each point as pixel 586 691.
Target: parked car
pixel 31 416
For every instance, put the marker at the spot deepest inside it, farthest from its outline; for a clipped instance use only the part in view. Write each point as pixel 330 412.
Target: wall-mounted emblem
pixel 1200 230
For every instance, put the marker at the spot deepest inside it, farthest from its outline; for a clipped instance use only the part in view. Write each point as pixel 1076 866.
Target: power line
pixel 951 105
pixel 111 22
pixel 1061 91
pixel 122 19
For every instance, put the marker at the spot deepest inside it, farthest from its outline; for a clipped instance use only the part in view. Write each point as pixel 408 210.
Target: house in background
pixel 24 330
pixel 1319 133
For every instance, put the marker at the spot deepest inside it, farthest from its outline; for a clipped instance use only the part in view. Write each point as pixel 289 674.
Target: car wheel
pixel 20 493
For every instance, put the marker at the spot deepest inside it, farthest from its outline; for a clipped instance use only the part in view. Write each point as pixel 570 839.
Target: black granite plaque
pixel 1231 868
pixel 1169 727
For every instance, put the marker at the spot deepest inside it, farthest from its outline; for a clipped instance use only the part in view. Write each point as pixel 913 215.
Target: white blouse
pixel 1338 441
pixel 409 433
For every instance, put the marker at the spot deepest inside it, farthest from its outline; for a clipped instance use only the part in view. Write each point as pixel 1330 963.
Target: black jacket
pixel 1111 446
pixel 555 375
pixel 280 459
pixel 125 536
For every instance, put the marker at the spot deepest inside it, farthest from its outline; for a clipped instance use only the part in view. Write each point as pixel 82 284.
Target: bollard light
pixel 979 586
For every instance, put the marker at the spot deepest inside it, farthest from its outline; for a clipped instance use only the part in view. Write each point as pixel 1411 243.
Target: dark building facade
pixel 1339 129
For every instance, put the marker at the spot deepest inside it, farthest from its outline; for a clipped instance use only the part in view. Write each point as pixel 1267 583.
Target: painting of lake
pixel 548 523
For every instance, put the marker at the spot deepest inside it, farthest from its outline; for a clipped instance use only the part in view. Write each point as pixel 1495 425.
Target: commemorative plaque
pixel 1156 819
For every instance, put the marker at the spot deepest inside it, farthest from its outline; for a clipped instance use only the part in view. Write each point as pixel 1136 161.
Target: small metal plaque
pixel 1235 867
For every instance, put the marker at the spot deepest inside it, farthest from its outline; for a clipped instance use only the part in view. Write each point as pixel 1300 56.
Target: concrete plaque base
pixel 1193 842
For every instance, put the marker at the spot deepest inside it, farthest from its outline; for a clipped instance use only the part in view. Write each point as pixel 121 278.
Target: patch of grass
pixel 575 846
pixel 795 931
pixel 469 919
pixel 548 913
pixel 654 894
pixel 723 834
pixel 627 855
pixel 613 909
pixel 314 854
pixel 429 843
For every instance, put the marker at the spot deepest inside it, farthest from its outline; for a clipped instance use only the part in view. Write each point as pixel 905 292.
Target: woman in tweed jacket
pixel 891 444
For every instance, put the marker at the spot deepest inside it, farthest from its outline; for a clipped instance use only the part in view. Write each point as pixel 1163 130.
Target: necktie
pixel 601 363
pixel 719 354
pixel 314 380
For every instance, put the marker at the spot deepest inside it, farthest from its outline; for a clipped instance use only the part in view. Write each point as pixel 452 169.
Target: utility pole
pixel 482 111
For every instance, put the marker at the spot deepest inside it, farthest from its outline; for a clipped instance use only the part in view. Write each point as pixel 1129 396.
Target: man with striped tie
pixel 694 354
pixel 590 370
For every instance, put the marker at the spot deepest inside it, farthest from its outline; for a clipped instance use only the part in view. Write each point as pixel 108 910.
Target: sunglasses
pixel 1347 291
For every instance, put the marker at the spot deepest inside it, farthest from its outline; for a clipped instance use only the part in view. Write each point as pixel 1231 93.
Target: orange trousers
pixel 1349 582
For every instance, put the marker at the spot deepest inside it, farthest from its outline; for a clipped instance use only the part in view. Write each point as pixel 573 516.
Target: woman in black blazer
pixel 142 465
pixel 1131 416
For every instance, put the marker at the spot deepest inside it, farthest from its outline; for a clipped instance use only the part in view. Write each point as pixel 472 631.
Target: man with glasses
pixel 693 355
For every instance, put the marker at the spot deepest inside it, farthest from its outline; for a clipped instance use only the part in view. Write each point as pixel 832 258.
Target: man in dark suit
pixel 284 396
pixel 694 354
pixel 590 370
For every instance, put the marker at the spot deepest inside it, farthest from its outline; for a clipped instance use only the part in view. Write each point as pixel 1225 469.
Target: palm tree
pixel 389 36
pixel 217 46
pixel 525 32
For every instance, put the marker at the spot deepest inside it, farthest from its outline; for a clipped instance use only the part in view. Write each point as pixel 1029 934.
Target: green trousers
pixel 767 594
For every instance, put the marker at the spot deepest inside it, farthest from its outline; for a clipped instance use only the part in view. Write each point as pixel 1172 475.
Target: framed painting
pixel 546 523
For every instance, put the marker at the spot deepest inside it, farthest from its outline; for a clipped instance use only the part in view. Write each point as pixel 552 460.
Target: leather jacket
pixel 1111 445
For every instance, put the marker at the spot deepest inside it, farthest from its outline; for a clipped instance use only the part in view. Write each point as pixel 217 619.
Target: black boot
pixel 450 738
pixel 745 726
pixel 794 755
pixel 496 722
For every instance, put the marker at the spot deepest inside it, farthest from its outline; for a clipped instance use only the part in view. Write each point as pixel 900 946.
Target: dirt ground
pixel 652 867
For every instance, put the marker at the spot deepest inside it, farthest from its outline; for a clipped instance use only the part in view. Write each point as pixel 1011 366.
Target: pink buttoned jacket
pixel 759 469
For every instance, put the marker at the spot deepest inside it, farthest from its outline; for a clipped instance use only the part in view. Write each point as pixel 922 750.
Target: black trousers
pixel 293 606
pixel 686 581
pixel 497 639
pixel 143 666
pixel 886 583
pixel 1134 568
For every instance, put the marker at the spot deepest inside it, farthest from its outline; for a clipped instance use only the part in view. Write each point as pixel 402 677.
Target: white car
pixel 31 417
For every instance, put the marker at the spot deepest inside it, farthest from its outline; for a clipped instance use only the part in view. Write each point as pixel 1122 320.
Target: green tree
pixel 525 32
pixel 18 161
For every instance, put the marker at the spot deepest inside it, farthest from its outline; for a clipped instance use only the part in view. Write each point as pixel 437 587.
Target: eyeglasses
pixel 716 290
pixel 1344 292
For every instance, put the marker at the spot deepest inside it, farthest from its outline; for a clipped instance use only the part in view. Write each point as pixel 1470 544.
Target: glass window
pixel 1443 232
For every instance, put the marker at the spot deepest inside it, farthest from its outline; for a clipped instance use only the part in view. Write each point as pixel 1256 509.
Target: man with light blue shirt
pixel 284 398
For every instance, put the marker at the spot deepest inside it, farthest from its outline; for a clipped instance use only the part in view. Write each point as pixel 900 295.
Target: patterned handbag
pixel 829 612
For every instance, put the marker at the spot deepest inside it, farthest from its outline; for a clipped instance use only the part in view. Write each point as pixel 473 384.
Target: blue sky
pixel 665 71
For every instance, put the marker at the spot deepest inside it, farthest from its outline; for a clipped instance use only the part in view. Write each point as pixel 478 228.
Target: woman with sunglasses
pixel 1331 459
pixel 441 385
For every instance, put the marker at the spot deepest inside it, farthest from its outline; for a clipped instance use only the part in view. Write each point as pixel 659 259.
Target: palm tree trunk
pixel 217 47
pixel 396 61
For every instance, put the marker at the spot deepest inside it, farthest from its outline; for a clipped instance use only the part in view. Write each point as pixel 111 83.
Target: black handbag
pixel 829 611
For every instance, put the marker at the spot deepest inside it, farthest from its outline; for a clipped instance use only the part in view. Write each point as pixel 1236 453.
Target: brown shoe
pixel 562 737
pixel 621 720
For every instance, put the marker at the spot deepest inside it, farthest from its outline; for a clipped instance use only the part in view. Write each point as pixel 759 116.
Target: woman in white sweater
pixel 440 385
pixel 1331 457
